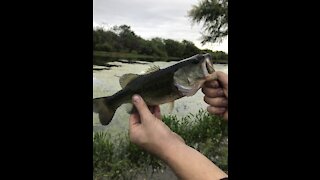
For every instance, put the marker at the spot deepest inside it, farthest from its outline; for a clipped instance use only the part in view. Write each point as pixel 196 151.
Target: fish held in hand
pixel 158 86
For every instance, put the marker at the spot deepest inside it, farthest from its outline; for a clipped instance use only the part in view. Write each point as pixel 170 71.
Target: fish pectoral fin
pixel 126 78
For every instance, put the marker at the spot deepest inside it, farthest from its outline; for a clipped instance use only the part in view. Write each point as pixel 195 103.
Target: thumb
pixel 142 108
pixel 134 120
pixel 223 79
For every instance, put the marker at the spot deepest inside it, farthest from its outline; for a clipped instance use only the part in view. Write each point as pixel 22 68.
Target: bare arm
pixel 149 132
pixel 188 163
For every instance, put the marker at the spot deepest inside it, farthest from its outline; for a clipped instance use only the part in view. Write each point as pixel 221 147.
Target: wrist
pixel 170 149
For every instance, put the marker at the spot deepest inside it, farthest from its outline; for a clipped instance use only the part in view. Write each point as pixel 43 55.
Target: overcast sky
pixel 153 18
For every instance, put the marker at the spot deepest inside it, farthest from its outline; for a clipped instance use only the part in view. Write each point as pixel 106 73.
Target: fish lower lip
pixel 210 68
pixel 205 69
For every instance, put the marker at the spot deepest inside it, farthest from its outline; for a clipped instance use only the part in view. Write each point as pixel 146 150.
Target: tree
pixel 214 15
pixel 219 55
pixel 158 47
pixel 128 38
pixel 174 48
pixel 106 40
pixel 123 39
pixel 189 49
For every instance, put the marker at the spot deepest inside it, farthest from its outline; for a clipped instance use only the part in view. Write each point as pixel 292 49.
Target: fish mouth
pixel 207 66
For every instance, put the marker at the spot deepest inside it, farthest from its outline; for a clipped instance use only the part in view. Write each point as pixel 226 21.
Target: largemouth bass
pixel 158 86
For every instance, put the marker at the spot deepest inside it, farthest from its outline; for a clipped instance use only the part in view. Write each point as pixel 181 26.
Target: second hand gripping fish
pixel 159 86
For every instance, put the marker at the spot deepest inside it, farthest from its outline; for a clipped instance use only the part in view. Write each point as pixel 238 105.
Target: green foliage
pixel 174 48
pixel 158 47
pixel 189 49
pixel 214 15
pixel 118 158
pixel 104 47
pixel 122 39
pixel 219 55
pixel 205 132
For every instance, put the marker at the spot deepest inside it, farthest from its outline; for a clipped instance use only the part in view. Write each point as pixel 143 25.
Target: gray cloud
pixel 151 18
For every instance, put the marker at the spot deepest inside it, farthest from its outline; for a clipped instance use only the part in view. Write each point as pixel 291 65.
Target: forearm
pixel 188 163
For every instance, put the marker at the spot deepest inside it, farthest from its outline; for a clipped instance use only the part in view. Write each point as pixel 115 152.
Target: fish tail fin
pixel 104 109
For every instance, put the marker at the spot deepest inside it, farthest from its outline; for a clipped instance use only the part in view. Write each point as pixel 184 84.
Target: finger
pixel 134 125
pixel 210 92
pixel 218 101
pixel 157 112
pixel 142 108
pixel 134 120
pixel 225 115
pixel 223 79
pixel 212 84
pixel 216 110
pixel 151 109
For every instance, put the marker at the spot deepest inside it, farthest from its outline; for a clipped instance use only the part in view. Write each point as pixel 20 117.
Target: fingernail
pixel 136 98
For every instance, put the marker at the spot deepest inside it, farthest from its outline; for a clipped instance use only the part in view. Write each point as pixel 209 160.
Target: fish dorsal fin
pixel 126 78
pixel 152 68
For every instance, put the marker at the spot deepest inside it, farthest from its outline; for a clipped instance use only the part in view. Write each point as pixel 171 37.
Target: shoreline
pixel 101 58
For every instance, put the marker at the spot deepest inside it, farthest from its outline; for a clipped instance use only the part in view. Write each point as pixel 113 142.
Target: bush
pixel 104 47
pixel 117 158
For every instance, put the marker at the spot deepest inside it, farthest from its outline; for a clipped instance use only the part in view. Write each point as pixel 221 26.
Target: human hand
pixel 216 95
pixel 147 130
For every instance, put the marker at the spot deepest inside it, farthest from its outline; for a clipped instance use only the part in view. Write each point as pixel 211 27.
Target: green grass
pixel 118 158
